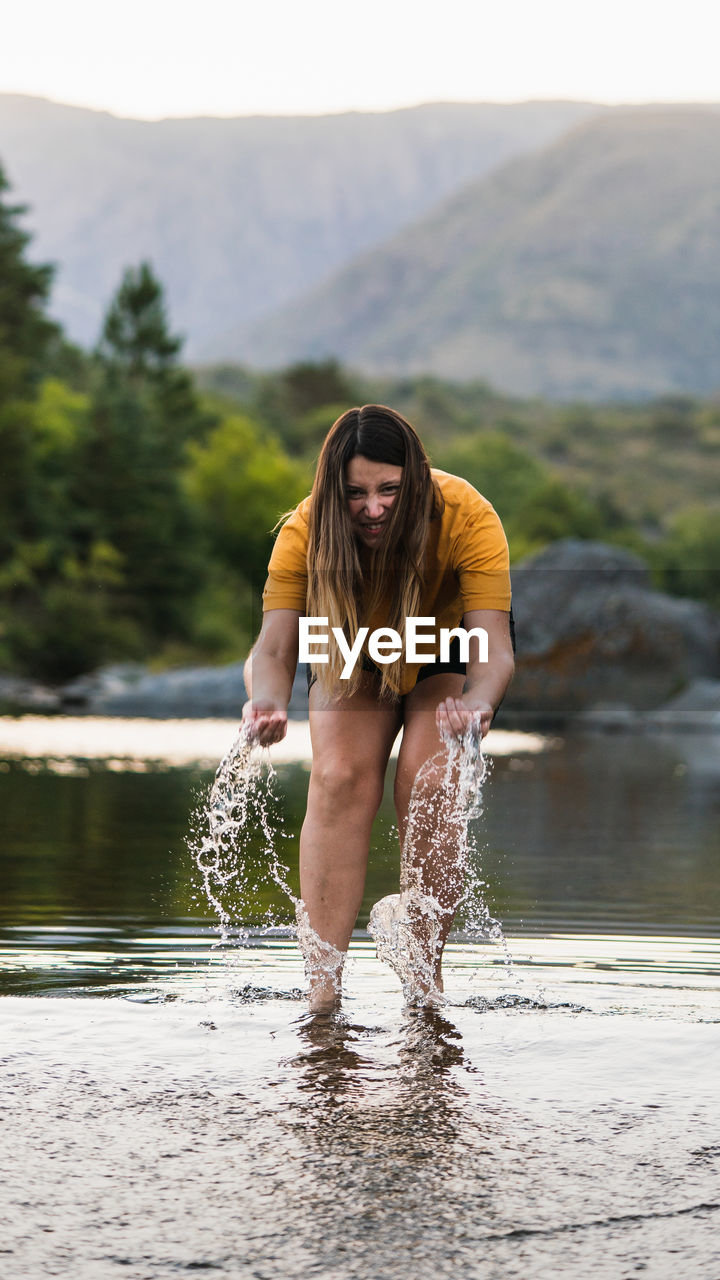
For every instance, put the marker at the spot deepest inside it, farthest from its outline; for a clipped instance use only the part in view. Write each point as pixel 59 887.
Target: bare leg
pixel 433 844
pixel 351 742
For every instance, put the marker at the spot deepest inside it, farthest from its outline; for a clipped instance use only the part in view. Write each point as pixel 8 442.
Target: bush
pixel 687 562
pixel 241 482
pixel 503 473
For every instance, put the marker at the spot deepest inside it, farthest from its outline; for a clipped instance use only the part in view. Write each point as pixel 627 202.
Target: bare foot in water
pixel 323 994
pixel 406 931
pixel 323 965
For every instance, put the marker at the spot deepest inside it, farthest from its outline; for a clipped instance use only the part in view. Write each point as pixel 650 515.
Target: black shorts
pixel 452 667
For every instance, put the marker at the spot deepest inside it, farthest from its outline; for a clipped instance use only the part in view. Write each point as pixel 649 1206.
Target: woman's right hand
pixel 266 721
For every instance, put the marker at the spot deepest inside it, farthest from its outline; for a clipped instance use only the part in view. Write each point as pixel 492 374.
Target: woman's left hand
pixel 454 717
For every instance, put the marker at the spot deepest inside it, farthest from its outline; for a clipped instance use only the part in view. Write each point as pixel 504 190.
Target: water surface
pixel 170 1107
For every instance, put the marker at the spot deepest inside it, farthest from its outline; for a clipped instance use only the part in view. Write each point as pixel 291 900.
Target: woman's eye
pixel 388 492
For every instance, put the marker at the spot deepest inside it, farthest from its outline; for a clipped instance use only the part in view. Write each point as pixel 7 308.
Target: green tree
pixel 552 511
pixel 502 472
pixel 30 521
pixel 25 334
pixel 687 562
pixel 242 481
pixel 301 403
pixel 128 492
pixel 536 506
pixel 139 355
pixel 25 331
pixel 135 335
pixel 59 608
pixel 306 386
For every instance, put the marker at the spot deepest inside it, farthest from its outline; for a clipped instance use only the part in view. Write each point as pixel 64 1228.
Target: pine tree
pixel 135 335
pixel 25 331
pixel 130 492
pixel 138 352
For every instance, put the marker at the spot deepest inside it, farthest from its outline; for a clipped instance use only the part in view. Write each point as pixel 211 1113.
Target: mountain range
pixel 563 249
pixel 239 216
pixel 588 270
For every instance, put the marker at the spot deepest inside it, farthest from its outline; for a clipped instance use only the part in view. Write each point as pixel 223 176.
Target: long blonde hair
pixel 337 588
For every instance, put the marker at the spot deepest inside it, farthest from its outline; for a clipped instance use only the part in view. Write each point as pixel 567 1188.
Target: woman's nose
pixel 374 506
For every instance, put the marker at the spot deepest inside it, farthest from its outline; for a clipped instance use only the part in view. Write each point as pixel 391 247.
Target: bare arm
pixel 486 682
pixel 269 674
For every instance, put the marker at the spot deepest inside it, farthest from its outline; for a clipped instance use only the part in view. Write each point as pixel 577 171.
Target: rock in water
pixel 592 630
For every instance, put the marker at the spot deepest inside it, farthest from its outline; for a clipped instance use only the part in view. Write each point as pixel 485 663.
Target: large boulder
pixel 592 631
pixel 20 694
pixel 192 692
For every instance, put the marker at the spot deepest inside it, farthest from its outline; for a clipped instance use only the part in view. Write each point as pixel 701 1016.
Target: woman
pixel 382 538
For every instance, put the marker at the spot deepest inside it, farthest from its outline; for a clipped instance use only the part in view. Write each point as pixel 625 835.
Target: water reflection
pixel 386 1131
pixel 617 838
pixel 612 831
pixel 330 1056
pixel 412 1159
pixel 332 1062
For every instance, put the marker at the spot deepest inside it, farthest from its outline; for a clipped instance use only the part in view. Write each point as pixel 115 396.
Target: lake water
pixel 169 1107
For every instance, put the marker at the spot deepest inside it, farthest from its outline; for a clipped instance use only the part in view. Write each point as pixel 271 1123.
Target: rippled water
pixel 169 1106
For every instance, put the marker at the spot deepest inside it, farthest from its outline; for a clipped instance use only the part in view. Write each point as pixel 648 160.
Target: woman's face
pixel 371 489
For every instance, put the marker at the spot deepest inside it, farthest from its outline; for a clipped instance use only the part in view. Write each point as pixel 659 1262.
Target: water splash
pixel 474 770
pixel 406 928
pixel 439 876
pixel 323 962
pixel 524 1004
pixel 240 815
pixel 235 837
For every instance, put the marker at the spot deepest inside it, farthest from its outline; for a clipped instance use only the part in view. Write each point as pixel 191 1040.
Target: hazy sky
pixel 235 57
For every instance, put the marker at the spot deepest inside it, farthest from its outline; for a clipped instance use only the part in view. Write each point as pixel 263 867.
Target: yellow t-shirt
pixel 467 565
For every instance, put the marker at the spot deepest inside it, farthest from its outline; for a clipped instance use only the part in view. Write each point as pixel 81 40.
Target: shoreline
pixel 179 743
pixel 185 742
